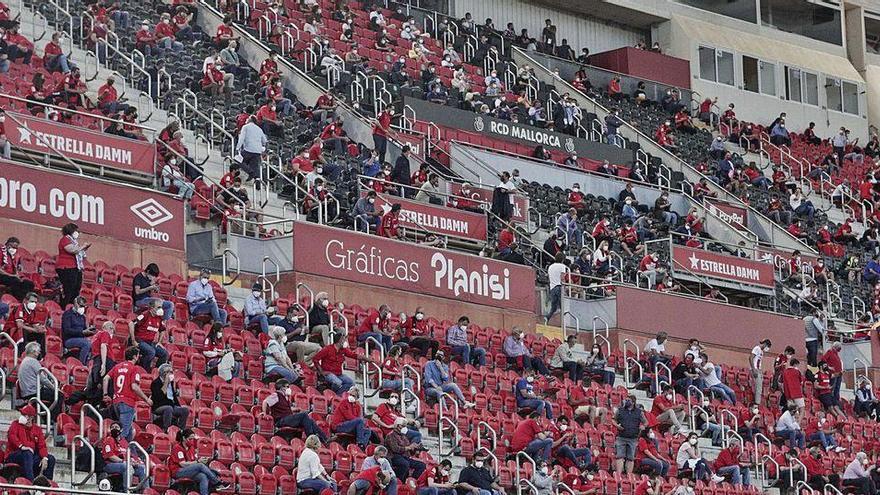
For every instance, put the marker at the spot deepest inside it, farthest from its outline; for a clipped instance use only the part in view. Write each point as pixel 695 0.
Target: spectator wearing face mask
pixel 755 360
pixel 729 463
pixel 69 262
pixel 526 397
pixel 145 289
pixel 75 332
pixel 222 360
pixel 148 331
pixel 751 422
pixel 690 458
pixel 26 446
pixel 788 427
pixel 329 360
pixel 376 326
pixel 477 479
pixel 564 359
pixel 518 354
pixel 647 455
pixel 438 382
pixel 668 412
pixel 256 309
pixel 435 481
pixel 709 374
pixel 820 429
pixel 865 400
pixel 277 361
pixel 165 36
pixel 126 379
pixel 629 421
pixel 403 452
pixel 415 333
pixel 457 338
pixel 285 414
pixel 824 390
pixel 113 451
pixel 348 417
pixel 859 475
pixel 200 297
pixel 183 464
pixel 166 406
pixel 530 437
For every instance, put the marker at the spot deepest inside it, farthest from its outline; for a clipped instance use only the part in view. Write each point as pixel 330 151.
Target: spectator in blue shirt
pixel 871 273
pixel 526 396
pixel 438 381
pixel 457 337
pixel 256 310
pixel 779 134
pixel 75 332
pixel 567 227
pixel 200 297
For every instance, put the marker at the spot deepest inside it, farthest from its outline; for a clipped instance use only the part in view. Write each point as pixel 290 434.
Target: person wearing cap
pixel 200 297
pixel 113 451
pixel 256 310
pixel 26 446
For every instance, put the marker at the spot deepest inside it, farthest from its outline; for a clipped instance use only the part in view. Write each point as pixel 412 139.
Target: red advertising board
pixel 484 194
pixel 416 143
pixel 437 219
pixel 101 208
pixel 368 259
pixel 76 143
pixel 721 266
pixel 732 214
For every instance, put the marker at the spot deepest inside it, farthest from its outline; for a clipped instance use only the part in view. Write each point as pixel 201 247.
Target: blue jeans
pixel 4 310
pixel 383 339
pixel 85 348
pixel 209 308
pixel 659 467
pixel 30 463
pixel 363 486
pixel 149 351
pixel 580 457
pixel 701 470
pixel 59 63
pixel 304 421
pixel 167 306
pixel 404 467
pixel 795 437
pixel 397 384
pixel 284 106
pixel 452 388
pixel 725 392
pixel 555 301
pixel 835 388
pixel 540 406
pixel 316 485
pixel 121 18
pixel 201 474
pixel 338 383
pixel 738 475
pixel 119 468
pixel 170 44
pixel 284 372
pixel 358 428
pixel 715 431
pixel 414 435
pixel 539 449
pixel 263 320
pixel 827 439
pixel 470 354
pixel 125 413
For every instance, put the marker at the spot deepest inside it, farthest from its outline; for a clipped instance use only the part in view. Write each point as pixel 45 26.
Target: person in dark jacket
pixel 400 174
pixel 75 331
pixel 166 400
pixel 502 204
pixel 319 318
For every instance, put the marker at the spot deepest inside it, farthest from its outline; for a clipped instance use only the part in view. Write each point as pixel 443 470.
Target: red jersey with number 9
pixel 123 376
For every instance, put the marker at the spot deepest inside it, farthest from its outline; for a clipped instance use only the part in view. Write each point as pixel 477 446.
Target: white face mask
pixel 284 339
pixel 145 28
pixel 522 335
pixel 463 328
pixel 10 251
pixel 345 345
pixel 352 399
pixel 81 310
pixel 22 420
pixel 563 427
pixel 31 306
pixel 590 477
pixel 668 396
pixel 403 430
pixel 372 200
pixel 651 435
pixel 692 441
pixel 160 312
pixel 754 410
pixel 530 379
pixel 478 464
pixel 393 401
pixel 545 470
pixel 420 316
pixel 75 235
pixel 325 303
pixel 204 280
pixel 256 293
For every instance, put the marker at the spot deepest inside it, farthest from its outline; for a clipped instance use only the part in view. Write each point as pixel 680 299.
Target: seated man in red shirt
pixel 54 58
pixel 436 481
pixel 181 22
pixel 108 98
pixel 165 35
pixel 19 46
pixel 113 448
pixel 145 39
pixel 576 199
pixel 26 446
pixel 329 360
pixel 390 224
pixel 819 476
pixel 268 120
pixel 650 486
pixel 414 332
pixel 224 33
pixel 348 417
pixel 183 463
pixel 275 92
pixel 73 90
pixel 370 481
pixel 668 412
pixel 728 463
pixel 148 331
pixel 215 81
pixel 28 322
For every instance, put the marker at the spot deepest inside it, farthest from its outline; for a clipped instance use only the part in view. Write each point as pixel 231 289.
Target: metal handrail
pixel 268 286
pixel 302 285
pixel 409 391
pixel 14 345
pixel 693 416
pixel 855 371
pixel 757 437
pixel 452 422
pixel 657 366
pixel 562 486
pixel 829 487
pixel 144 455
pixel 605 323
pixel 82 419
pixel 488 428
pixel 332 332
pixel 54 380
pixel 627 374
pixel 577 324
pixel 378 344
pixel 735 423
pixel 519 480
pixel 762 468
pixel 224 268
pixel 791 463
pixel 802 486
pixel 275 264
pixel 365 370
pixel 689 397
pixel 635 346
pixel 87 444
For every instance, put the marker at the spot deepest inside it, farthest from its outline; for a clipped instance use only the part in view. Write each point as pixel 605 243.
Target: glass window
pixel 707 64
pixel 768 77
pixel 832 94
pixel 744 10
pixel 750 74
pixel 810 88
pixel 725 68
pixel 872 35
pixel 850 97
pixel 793 84
pixel 804 17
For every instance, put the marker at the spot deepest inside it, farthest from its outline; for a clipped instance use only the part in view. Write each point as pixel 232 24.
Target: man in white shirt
pixel 656 350
pixel 710 379
pixel 788 427
pixel 755 360
pixel 554 273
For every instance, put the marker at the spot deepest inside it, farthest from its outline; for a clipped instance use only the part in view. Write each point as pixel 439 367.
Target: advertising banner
pixel 80 144
pixel 381 262
pixel 437 219
pixel 416 143
pixel 98 207
pixel 521 133
pixel 724 267
pixel 736 216
pixel 484 195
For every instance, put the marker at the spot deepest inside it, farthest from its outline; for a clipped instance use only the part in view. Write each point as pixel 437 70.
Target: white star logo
pixel 24 134
pixel 694 261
